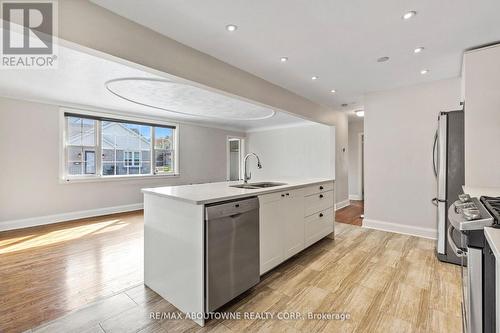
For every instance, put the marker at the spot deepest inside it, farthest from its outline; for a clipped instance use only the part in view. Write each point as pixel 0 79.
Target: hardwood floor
pixel 352 213
pixel 383 282
pixel 48 271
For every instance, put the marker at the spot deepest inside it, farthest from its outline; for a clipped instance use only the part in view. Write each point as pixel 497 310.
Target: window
pixel 132 158
pixel 103 147
pixel 163 150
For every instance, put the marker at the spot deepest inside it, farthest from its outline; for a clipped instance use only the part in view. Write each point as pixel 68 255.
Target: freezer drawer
pixel 231 250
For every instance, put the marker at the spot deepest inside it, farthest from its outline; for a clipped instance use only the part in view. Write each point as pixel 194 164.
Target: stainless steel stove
pixel 469 216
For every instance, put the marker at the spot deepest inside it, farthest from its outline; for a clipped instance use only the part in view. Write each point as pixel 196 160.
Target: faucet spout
pixel 247 176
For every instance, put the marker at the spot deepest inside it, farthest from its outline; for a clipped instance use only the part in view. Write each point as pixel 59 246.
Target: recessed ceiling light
pixel 314 78
pixel 409 15
pixel 424 71
pixel 360 113
pixel 418 49
pixel 383 59
pixel 231 27
pixel 333 91
pixel 284 59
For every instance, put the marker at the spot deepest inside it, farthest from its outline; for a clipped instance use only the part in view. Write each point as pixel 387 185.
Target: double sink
pixel 256 186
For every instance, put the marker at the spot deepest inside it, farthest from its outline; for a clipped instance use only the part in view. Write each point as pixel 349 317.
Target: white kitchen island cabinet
pixel 174 232
pixel 290 221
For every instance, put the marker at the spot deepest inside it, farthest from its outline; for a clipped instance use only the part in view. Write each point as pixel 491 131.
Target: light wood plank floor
pixel 48 271
pixel 385 282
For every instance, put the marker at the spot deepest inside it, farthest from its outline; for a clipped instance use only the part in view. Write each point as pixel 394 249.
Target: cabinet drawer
pixel 271 197
pixel 275 196
pixel 323 187
pixel 318 202
pixel 318 226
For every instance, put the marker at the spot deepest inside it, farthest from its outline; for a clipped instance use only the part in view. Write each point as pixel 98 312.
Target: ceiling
pixel 339 41
pixel 80 81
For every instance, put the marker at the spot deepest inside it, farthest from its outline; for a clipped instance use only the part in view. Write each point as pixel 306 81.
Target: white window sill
pixel 98 179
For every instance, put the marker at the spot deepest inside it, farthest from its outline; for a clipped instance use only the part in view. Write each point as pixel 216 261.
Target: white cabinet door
pixel 293 218
pixel 272 240
pixel 318 225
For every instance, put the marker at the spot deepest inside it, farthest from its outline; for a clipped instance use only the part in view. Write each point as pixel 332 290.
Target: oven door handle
pixel 458 251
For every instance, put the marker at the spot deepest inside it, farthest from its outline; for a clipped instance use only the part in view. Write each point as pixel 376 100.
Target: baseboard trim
pixel 355 197
pixel 400 228
pixel 57 218
pixel 342 204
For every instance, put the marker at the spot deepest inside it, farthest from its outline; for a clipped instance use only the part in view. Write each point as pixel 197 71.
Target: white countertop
pixel 200 194
pixel 493 238
pixel 476 192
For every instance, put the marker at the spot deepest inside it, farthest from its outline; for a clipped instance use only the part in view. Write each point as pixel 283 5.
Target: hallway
pixel 351 214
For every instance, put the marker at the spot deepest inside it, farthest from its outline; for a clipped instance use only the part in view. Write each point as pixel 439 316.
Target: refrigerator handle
pixel 434 151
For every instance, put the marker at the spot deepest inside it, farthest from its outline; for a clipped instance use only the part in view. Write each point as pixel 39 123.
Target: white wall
pixel 399 130
pixel 356 127
pixel 341 160
pixel 29 184
pixel 306 151
pixel 482 117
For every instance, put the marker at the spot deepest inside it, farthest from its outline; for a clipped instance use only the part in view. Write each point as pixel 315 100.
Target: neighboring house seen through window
pixel 103 147
pixel 132 158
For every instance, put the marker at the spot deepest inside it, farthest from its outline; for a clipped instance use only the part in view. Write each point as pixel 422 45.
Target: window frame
pixel 65 177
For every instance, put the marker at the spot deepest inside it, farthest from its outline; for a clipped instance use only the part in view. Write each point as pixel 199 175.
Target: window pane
pixel 125 147
pixel 164 150
pixel 108 169
pixel 81 131
pixel 74 168
pixel 80 142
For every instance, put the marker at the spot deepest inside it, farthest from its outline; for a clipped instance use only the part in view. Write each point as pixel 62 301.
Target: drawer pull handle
pixel 321 187
pixel 320 214
pixel 288 194
pixel 282 195
pixel 321 196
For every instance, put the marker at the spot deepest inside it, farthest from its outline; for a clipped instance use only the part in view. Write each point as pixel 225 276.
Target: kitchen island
pixel 291 217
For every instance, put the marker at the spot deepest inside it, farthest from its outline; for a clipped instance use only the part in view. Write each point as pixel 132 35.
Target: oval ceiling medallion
pixel 185 99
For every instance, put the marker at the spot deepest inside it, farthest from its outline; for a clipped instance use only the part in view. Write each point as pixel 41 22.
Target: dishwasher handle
pixel 230 208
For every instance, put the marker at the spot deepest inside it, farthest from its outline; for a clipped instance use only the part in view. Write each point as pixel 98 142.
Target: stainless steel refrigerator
pixel 448 163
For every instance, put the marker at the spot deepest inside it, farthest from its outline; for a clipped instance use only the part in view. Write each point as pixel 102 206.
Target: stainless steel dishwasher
pixel 231 250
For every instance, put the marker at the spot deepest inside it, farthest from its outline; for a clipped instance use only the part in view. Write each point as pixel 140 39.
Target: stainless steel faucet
pixel 246 177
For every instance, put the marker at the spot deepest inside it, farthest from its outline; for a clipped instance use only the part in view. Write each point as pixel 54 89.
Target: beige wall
pixel 399 130
pixel 482 117
pixel 29 142
pixel 356 127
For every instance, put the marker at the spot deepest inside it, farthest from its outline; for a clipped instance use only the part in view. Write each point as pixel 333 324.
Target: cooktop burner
pixel 492 204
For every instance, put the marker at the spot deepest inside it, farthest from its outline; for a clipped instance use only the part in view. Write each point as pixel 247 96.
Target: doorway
pixel 235 153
